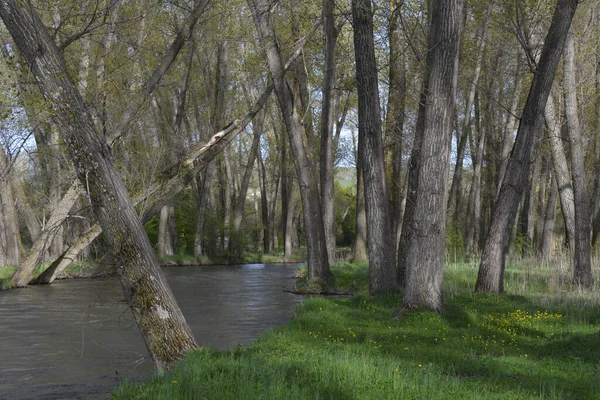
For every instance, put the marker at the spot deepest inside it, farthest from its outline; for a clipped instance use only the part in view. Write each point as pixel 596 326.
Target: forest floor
pixel 541 340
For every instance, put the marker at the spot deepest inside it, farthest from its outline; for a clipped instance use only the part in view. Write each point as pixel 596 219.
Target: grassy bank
pixel 540 342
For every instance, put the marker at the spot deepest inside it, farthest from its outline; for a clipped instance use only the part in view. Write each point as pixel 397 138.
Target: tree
pixel 379 233
pixel 318 264
pixel 582 271
pixel 326 159
pixel 491 269
pixel 161 322
pixel 425 255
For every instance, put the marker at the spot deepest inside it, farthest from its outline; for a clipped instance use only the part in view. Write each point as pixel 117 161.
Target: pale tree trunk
pixel 299 76
pixel 425 255
pixel 548 233
pixel 326 159
pixel 474 204
pixel 491 269
pixel 561 169
pixel 582 271
pixel 394 127
pixel 161 323
pixel 31 219
pixel 318 264
pixel 23 275
pixel 70 255
pixel 9 214
pixel 3 262
pixel 541 203
pixel 382 268
pixel 525 224
pixel 455 192
pixel 277 176
pixel 264 204
pixel 290 228
pixel 173 143
pixel 227 184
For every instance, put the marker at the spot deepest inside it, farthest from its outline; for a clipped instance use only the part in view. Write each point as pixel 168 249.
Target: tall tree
pixel 425 255
pixel 582 271
pixel 382 268
pixel 491 269
pixel 326 159
pixel 318 263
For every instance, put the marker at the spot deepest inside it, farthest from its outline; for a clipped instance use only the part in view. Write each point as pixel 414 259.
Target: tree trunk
pixel 561 168
pixel 360 236
pixel 525 225
pixel 546 248
pixel 60 265
pixel 466 124
pixel 9 214
pixel 238 212
pixel 318 264
pixel 541 203
pixel 264 203
pixel 582 271
pixel 326 159
pixel 491 270
pixel 163 327
pixel 474 204
pixel 379 237
pixel 507 141
pixel 425 255
pixel 394 126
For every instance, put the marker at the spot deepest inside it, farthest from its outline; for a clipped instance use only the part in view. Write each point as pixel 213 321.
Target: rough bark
pixel 491 269
pixel 326 155
pixel 379 237
pixel 561 169
pixel 425 255
pixel 161 323
pixel 318 264
pixel 582 271
pixel 359 248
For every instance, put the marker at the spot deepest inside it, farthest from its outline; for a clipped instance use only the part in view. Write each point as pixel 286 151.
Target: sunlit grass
pixel 540 341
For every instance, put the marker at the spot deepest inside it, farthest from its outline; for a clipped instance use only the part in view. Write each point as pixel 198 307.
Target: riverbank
pixel 540 341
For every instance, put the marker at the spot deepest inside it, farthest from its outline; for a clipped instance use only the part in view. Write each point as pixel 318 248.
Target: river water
pixel 76 339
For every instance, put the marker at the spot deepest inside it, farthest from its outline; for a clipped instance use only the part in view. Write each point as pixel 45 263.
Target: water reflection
pixel 76 339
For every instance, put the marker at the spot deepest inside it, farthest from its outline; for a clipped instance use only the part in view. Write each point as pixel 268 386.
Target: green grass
pixel 542 341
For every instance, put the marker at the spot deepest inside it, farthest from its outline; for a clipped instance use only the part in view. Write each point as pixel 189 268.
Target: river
pixel 76 339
